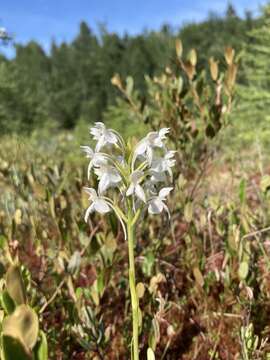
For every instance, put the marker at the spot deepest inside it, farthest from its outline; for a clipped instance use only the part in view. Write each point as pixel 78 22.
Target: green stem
pixel 132 287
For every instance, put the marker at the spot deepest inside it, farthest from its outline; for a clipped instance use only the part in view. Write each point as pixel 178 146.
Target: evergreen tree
pixel 254 106
pixel 86 50
pixel 64 97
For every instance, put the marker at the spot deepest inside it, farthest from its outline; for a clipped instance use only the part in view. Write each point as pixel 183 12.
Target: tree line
pixel 72 81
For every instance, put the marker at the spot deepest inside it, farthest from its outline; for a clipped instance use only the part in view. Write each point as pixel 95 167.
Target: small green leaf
pixel 6 302
pixel 193 57
pixel 242 191
pixel 188 212
pixel 229 55
pixel 41 348
pixel 243 270
pixel 13 349
pixel 198 276
pixel 265 183
pixel 130 84
pixel 23 325
pixel 74 263
pixel 15 285
pixel 140 290
pixel 140 318
pixel 148 263
pixel 179 47
pixel 213 68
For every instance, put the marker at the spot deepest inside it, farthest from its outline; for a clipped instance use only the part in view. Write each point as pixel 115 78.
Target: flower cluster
pixel 138 174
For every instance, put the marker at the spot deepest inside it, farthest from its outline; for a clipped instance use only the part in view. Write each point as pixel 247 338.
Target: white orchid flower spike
pixel 135 187
pixel 156 204
pixel 115 169
pixel 97 203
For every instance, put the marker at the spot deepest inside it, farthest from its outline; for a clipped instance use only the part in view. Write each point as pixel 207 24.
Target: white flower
pixel 103 135
pixel 152 140
pixel 98 204
pixel 164 164
pixel 97 159
pixel 156 205
pixel 135 187
pixel 108 177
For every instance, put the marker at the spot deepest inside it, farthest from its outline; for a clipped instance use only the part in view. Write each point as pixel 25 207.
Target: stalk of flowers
pixel 138 176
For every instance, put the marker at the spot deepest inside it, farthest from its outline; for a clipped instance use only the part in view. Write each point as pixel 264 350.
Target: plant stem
pixel 132 287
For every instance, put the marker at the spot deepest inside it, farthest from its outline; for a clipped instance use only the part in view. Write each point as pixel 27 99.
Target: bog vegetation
pixel 76 284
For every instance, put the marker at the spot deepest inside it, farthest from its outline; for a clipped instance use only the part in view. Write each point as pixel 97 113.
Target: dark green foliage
pixel 253 110
pixel 72 82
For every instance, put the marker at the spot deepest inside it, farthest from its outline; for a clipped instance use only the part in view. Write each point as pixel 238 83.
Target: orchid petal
pixel 88 212
pixel 101 142
pixel 110 137
pixel 163 193
pixel 104 183
pixel 167 210
pixel 140 193
pixel 101 206
pixel 89 152
pixel 149 155
pixel 90 165
pixel 163 132
pixel 155 206
pixel 130 190
pixel 141 147
pixel 92 192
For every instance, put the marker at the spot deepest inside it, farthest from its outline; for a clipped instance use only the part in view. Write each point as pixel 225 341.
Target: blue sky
pixel 44 20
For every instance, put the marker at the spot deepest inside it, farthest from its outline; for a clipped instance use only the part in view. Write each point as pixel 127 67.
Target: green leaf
pixel 193 57
pixel 229 55
pixel 13 349
pixel 140 290
pixel 188 212
pixel 148 263
pixel 23 325
pixel 100 283
pixel 6 302
pixel 179 47
pixel 265 183
pixel 242 191
pixel 198 276
pixel 15 285
pixel 74 263
pixel 213 68
pixel 180 83
pixel 243 270
pixel 130 84
pixel 41 348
